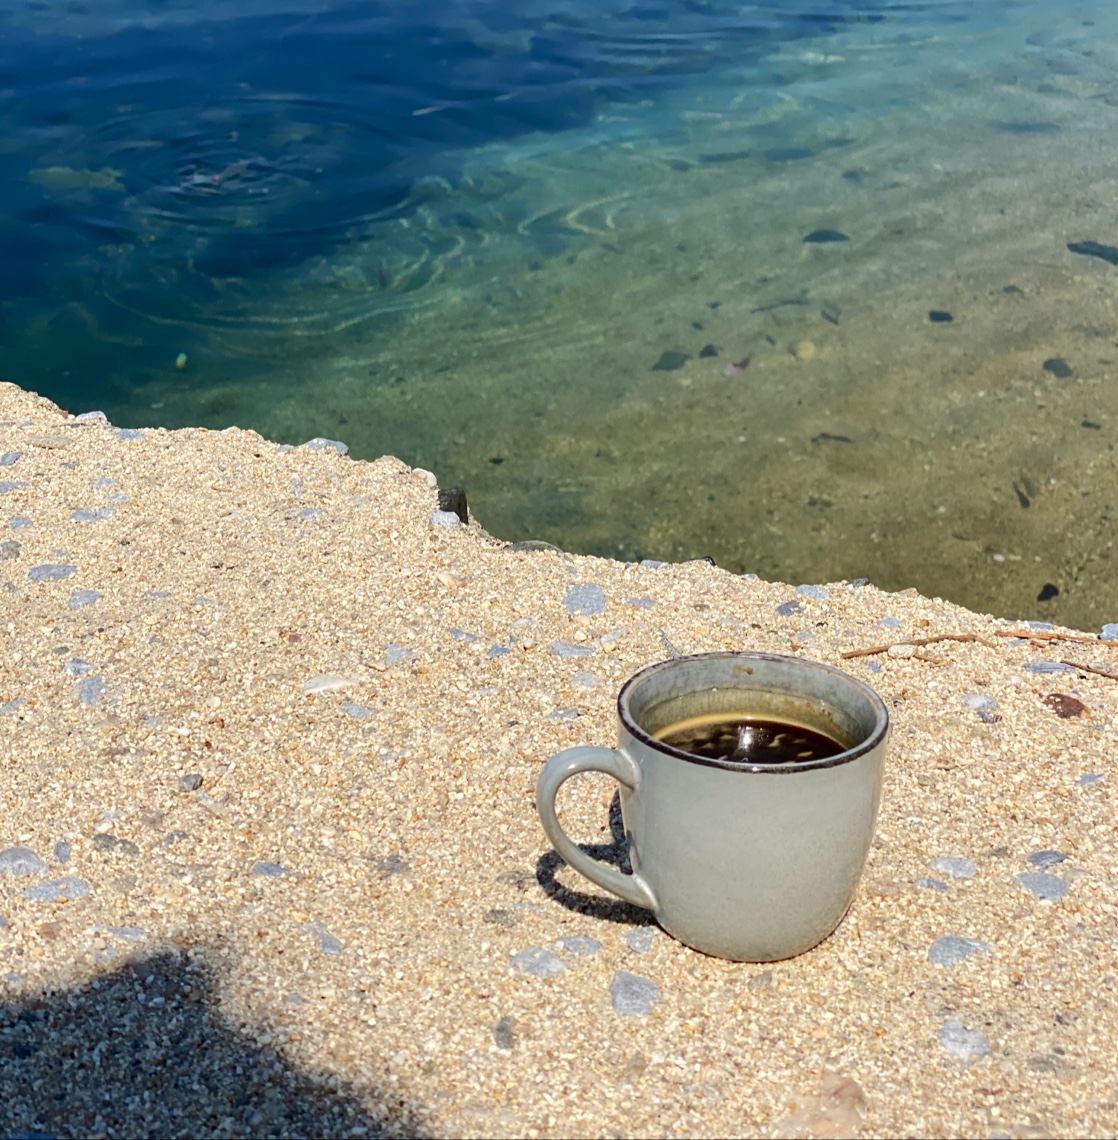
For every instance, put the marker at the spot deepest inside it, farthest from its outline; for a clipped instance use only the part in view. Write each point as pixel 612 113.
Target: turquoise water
pixel 531 248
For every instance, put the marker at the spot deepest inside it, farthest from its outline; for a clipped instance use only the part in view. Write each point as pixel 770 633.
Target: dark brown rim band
pixel 867 745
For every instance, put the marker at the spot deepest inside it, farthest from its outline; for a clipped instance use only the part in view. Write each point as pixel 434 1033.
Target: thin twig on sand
pixel 1091 669
pixel 875 649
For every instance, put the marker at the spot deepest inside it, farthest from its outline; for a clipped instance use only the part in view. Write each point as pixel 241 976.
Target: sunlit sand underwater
pixel 812 313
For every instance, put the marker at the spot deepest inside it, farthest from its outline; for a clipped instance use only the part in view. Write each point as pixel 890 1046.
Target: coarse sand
pixel 270 741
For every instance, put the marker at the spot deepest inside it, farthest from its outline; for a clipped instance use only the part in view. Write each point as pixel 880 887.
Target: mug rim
pixel 880 728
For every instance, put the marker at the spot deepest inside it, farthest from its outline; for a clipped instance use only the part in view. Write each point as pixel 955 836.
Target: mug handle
pixel 560 768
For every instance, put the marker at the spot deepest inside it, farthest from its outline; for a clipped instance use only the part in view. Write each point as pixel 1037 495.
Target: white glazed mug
pixel 748 862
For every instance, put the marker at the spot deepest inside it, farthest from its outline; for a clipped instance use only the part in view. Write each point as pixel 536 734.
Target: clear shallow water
pixel 520 245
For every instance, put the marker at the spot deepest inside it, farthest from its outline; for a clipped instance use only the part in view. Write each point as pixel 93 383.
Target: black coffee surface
pixel 749 740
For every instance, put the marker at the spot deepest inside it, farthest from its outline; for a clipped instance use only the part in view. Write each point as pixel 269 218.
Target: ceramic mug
pixel 752 862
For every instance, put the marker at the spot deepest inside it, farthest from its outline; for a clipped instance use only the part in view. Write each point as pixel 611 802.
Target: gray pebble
pixel 62 852
pixel 321 444
pixel 1090 778
pixel 890 623
pixel 397 654
pixel 90 691
pixel 12 706
pixel 538 962
pixel 579 944
pixel 1109 632
pixel 640 939
pixel 99 483
pixel 504 1035
pixel 9 457
pixel 803 635
pixel 445 518
pixel 115 845
pixel 561 716
pixel 9 550
pixel 787 609
pixel 268 870
pixel 815 593
pixel 1051 888
pixel 327 942
pixel 644 602
pixel 965 1045
pixel 190 782
pixel 497 651
pixel 392 865
pixel 91 418
pixel 462 635
pixel 932 884
pixel 1048 667
pixel 87 515
pixel 979 702
pixel 128 933
pixel 117 497
pixel 651 564
pixel 1041 626
pixel 20 522
pixel 21 861
pixel 79 668
pixel 358 712
pixel 876 666
pixel 58 890
pixel 51 572
pixel 7 486
pixel 951 949
pixel 309 513
pixel 1046 859
pixel 566 649
pixel 633 996
pixel 585 680
pixel 586 599
pixel 80 598
pixel 130 435
pixel 957 866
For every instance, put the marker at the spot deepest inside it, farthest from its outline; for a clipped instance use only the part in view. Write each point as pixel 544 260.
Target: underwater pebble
pixel 957 866
pixel 932 884
pixel 321 444
pixel 1050 888
pixel 951 949
pixel 538 962
pixel 640 940
pixel 566 649
pixel 633 996
pixel 940 317
pixel 445 518
pixel 965 1045
pixel 816 593
pixel 586 599
pixel 1046 859
pixel 579 944
pixel 268 870
pixel 824 237
pixel 129 435
pixel 80 598
pixel 21 861
pixel 51 572
pixel 58 890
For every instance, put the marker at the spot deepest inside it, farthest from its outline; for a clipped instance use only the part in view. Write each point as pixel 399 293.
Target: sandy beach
pixel 271 863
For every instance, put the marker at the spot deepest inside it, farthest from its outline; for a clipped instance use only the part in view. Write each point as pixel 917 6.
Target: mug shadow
pixel 615 853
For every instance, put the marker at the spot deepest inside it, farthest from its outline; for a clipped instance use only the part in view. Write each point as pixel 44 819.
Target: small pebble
pixel 90 691
pixel 1109 632
pixel 309 513
pixel 890 623
pixel 9 457
pixel 815 593
pixel 79 668
pixel 633 996
pixel 504 1032
pixel 87 515
pixel 128 933
pixel 640 939
pixel 761 983
pixel 80 598
pixel 965 1045
pixel 12 706
pixel 58 890
pixel 1048 667
pixel 1058 367
pixel 1041 626
pixel 825 237
pixel 1046 859
pixel 462 635
pixel 9 550
pixel 359 712
pixel 51 572
pixel 321 444
pixel 932 884
pixel 957 866
pixel 561 716
pixel 130 435
pixel 940 317
pixel 787 609
pixel 538 962
pixel 445 518
pixel 7 486
pixel 327 942
pixel 644 602
pixel 497 651
pixel 397 654
pixel 951 949
pixel 979 702
pixel 327 683
pixel 585 680
pixel 268 870
pixel 1090 778
pixel 20 522
pixel 62 851
pixel 1050 888
pixel 181 360
pixel 566 649
pixel 651 563
pixel 20 861
pixel 902 651
pixel 579 944
pixel 91 418
pixel 805 351
pixel 586 599
pixel 115 845
pixel 190 782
